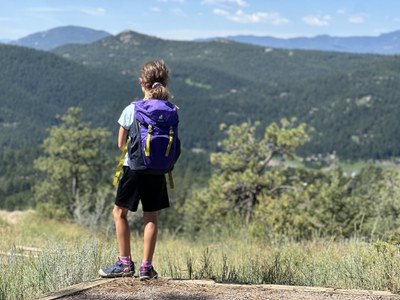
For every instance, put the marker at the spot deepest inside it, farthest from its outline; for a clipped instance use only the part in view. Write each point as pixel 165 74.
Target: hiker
pixel 135 184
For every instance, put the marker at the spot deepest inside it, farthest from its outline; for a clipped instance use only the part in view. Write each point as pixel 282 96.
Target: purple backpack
pixel 154 145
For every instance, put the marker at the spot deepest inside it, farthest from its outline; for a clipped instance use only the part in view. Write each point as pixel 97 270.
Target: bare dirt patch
pixel 165 289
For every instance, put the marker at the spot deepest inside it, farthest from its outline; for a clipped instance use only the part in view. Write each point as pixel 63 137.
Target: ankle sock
pixel 146 263
pixel 126 260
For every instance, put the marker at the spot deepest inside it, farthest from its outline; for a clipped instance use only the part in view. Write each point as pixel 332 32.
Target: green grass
pixel 71 255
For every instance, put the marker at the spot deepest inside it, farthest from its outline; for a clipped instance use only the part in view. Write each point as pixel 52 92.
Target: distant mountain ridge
pixel 388 43
pixel 59 36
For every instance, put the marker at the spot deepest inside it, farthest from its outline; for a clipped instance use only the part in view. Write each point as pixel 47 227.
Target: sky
pixel 193 19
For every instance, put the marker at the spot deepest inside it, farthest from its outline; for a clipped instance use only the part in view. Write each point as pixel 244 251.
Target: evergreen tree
pixel 244 170
pixel 72 163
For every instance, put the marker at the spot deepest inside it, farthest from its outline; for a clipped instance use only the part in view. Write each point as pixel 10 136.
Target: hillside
pixel 350 100
pixel 55 37
pixel 36 86
pixel 388 43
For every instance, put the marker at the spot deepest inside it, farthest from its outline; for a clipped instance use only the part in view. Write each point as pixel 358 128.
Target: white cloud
pixel 341 11
pixel 233 10
pixel 357 18
pixel 257 17
pixel 220 12
pixel 155 9
pixel 225 3
pixel 93 11
pixel 317 20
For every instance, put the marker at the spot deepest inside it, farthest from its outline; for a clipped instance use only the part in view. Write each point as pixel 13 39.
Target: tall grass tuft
pixel 59 265
pixel 347 264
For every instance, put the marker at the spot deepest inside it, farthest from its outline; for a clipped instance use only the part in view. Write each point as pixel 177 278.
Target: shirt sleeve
pixel 127 117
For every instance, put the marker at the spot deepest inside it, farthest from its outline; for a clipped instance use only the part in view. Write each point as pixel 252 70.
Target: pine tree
pixel 244 170
pixel 72 163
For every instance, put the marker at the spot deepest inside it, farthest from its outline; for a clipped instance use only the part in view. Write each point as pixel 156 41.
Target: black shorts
pixel 149 189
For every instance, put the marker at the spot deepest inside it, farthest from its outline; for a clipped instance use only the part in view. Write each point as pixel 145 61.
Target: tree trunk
pixel 74 194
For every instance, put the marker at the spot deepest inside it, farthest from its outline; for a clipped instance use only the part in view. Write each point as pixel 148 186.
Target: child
pixel 136 187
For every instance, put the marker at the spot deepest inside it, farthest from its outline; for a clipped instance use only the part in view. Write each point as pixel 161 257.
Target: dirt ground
pixel 165 289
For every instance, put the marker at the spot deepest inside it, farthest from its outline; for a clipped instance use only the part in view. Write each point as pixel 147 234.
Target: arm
pixel 122 137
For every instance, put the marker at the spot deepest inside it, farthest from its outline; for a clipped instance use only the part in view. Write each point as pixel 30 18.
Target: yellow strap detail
pixel 120 164
pixel 147 147
pixel 171 138
pixel 171 180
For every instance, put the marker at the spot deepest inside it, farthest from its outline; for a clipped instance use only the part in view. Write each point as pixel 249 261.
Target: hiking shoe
pixel 147 273
pixel 118 270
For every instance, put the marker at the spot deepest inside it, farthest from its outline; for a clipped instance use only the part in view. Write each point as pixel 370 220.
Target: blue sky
pixel 191 19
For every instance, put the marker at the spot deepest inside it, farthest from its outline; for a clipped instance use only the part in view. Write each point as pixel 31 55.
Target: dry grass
pixel 71 254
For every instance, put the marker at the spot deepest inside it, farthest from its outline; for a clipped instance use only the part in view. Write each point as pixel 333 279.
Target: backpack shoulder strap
pixel 171 180
pixel 120 165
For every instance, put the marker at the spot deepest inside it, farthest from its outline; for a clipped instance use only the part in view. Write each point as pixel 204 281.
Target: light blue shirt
pixel 126 120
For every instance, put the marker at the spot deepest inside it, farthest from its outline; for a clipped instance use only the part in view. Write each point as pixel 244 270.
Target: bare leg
pixel 122 230
pixel 150 235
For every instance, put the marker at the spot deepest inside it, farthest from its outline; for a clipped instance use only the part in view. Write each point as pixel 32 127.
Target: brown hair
pixel 154 75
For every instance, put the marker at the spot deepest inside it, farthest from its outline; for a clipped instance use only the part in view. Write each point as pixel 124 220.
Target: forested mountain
pixel 388 43
pixel 36 86
pixel 50 39
pixel 351 100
